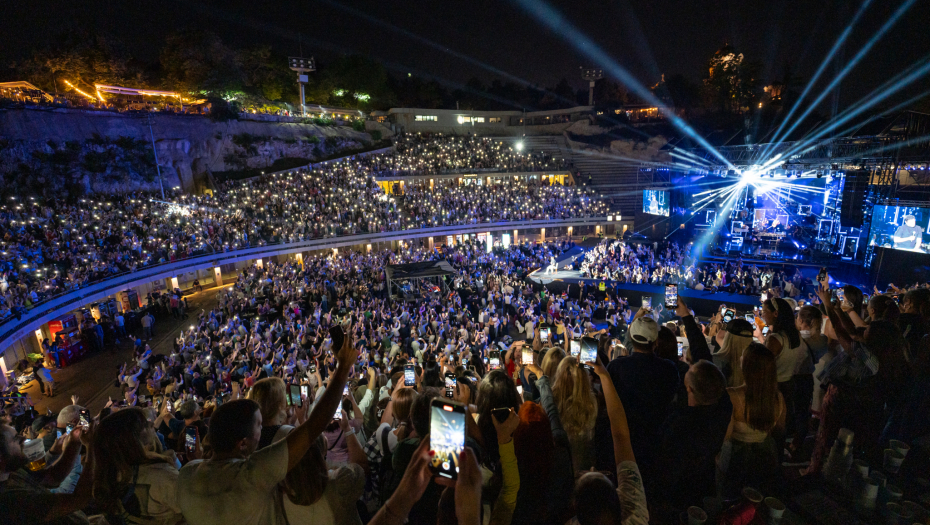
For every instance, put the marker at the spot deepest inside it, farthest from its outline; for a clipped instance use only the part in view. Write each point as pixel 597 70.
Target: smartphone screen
pixel 520 390
pixel 338 414
pixel 588 350
pixel 494 357
pixel 409 375
pixel 681 349
pixel 85 419
pixel 190 439
pixel 765 330
pixel 728 315
pixel 751 318
pixel 840 294
pixel 527 356
pixel 450 385
pixel 312 369
pixel 671 296
pixel 295 396
pixel 446 436
pixel 345 390
pixel 338 336
pixel 647 302
pixel 575 348
pixel 304 391
pixel 544 334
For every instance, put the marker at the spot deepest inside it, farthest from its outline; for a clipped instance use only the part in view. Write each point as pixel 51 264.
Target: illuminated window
pixel 464 120
pixel 425 118
pixel 477 119
pixel 494 120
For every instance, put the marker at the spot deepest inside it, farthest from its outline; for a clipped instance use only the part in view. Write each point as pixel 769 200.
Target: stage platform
pixel 702 302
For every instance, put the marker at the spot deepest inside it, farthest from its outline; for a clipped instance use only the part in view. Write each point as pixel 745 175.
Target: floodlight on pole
pixel 302 66
pixel 592 75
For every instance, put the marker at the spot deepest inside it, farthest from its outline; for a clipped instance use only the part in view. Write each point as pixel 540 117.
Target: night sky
pixel 452 40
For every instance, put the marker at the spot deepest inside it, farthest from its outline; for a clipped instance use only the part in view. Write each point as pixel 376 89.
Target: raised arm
pixel 619 428
pixel 696 342
pixel 299 441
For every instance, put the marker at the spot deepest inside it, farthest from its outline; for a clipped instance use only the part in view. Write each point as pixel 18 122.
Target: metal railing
pixel 13 328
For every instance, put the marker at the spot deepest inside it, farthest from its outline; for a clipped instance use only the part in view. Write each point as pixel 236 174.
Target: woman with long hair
pixel 734 338
pixel 784 341
pixel 750 456
pixel 577 407
pixel 131 476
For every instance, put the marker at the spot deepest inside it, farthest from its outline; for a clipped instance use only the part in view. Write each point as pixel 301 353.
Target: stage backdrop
pixel 899 267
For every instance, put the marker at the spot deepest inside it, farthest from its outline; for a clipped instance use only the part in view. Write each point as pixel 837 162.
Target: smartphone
pixel 840 294
pixel 190 440
pixel 450 385
pixel 338 414
pixel 410 377
pixel 588 350
pixel 765 330
pixel 575 348
pixel 671 296
pixel 500 414
pixel 822 276
pixel 751 318
pixel 494 357
pixel 68 429
pixel 338 336
pixel 84 418
pixel 304 391
pixel 544 334
pixel 295 396
pixel 728 315
pixel 312 369
pixel 527 356
pixel 446 436
pixel 647 302
pixel 345 390
pixel 520 390
pixel 681 349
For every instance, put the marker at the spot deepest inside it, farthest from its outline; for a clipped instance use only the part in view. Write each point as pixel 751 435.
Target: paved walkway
pixel 93 378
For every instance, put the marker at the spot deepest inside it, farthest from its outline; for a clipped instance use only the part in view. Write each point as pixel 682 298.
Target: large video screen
pixel 655 202
pixel 900 228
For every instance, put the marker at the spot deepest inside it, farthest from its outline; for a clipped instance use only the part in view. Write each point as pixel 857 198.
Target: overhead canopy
pixel 119 90
pixel 19 84
pixel 420 270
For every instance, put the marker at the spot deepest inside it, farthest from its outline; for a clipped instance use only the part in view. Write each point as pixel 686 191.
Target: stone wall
pixel 187 146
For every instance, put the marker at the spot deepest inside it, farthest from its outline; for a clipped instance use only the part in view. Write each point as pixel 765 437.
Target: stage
pixel 702 302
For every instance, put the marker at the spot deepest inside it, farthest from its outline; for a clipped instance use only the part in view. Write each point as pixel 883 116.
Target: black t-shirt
pixel 646 385
pixel 906 231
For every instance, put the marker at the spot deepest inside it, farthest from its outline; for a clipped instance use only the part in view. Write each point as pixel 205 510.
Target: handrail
pixel 13 328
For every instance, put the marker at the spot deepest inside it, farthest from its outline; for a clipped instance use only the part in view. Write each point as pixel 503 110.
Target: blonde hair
pixel 550 362
pixel 732 349
pixel 575 398
pixel 271 396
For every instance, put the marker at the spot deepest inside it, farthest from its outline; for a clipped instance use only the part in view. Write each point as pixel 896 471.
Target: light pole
pixel 150 117
pixel 592 75
pixel 302 66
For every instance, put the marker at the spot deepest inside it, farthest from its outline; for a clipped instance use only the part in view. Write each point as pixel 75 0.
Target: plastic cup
pixel 34 449
pixel 899 446
pixel 862 467
pixel 696 516
pixel 894 493
pixel 868 493
pixel 752 495
pixel 776 509
pixel 880 479
pixel 893 460
pixel 896 514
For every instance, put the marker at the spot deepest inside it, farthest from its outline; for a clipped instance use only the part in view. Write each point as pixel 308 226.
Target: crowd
pixel 433 154
pixel 53 246
pixel 667 262
pixel 259 415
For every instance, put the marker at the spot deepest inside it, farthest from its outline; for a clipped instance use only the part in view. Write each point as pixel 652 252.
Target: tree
pixel 732 83
pixel 199 62
pixel 681 92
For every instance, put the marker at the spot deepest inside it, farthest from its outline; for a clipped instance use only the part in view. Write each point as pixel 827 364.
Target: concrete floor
pixel 92 379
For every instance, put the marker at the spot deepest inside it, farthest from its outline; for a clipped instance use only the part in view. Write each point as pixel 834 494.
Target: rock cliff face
pixel 56 150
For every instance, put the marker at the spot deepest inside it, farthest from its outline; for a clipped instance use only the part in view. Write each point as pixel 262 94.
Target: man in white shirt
pixel 238 485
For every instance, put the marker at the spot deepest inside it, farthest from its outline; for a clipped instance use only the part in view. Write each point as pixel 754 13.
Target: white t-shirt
pixel 240 491
pixel 156 488
pixel 337 505
pixel 787 360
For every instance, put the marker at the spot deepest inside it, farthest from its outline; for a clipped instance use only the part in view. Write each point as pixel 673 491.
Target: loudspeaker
pixel 854 189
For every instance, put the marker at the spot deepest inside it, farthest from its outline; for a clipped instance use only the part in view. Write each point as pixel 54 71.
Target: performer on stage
pixel 908 235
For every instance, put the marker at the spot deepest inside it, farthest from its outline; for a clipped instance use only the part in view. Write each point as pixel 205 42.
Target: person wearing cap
pixel 647 384
pixel 908 235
